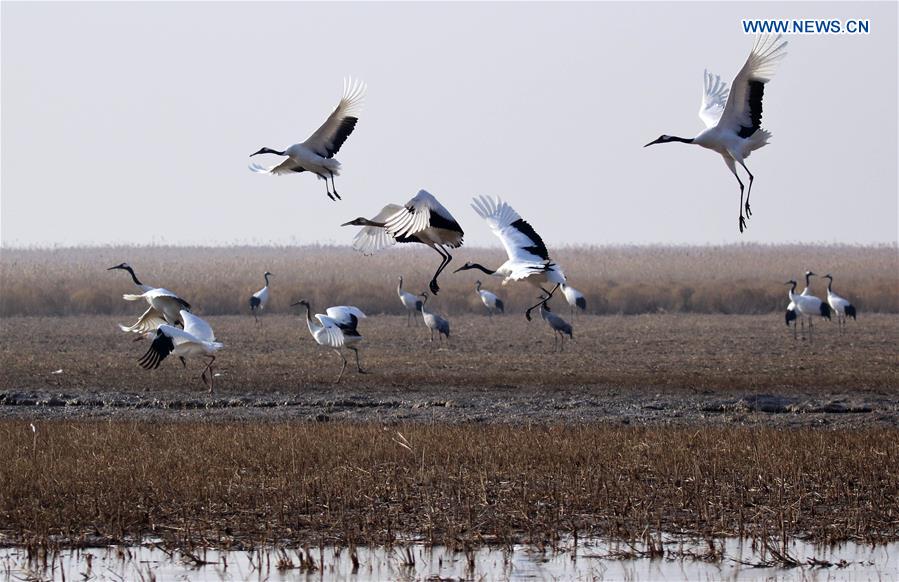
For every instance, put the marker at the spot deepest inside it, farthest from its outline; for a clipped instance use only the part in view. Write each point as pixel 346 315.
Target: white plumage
pixel 490 300
pixel 196 339
pixel 840 306
pixel 528 258
pixel 575 299
pixel 336 330
pixel 423 220
pixel 805 305
pixel 165 306
pixel 411 303
pixel 733 116
pixel 259 299
pixel 316 154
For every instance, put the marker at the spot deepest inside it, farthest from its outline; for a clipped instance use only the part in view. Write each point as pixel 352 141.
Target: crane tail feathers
pixel 850 311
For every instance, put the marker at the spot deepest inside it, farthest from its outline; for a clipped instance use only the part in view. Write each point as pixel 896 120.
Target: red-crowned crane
pixel 336 330
pixel 528 258
pixel 316 154
pixel 259 299
pixel 733 118
pixel 195 340
pixel 421 220
pixel 841 307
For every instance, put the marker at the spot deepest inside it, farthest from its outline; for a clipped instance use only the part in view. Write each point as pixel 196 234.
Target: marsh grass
pixel 243 485
pixel 745 279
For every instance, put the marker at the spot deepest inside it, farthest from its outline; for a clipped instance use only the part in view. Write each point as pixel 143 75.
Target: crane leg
pixel 327 189
pixel 445 260
pixel 333 185
pixel 749 190
pixel 730 164
pixel 358 365
pixel 549 294
pixel 343 368
pixel 208 368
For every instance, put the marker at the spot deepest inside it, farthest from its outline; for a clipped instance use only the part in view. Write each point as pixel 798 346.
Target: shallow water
pixel 592 560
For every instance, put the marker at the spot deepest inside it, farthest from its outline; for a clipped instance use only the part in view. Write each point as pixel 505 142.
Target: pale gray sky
pixel 132 123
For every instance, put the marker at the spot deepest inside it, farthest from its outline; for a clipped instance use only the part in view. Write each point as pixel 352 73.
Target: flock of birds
pixel 805 306
pixel 733 129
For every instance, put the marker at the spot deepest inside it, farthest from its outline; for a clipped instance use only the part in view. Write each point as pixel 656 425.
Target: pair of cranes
pixel 160 324
pixel 732 116
pixel 805 306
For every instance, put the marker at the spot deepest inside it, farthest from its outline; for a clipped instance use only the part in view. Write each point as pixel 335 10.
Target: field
pixel 693 419
pixel 743 279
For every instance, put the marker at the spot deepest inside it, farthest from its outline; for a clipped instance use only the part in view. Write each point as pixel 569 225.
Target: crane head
pixel 361 221
pixel 300 302
pixel 125 266
pixel 810 274
pixel 465 267
pixel 268 274
pixel 790 282
pixel 267 151
pixel 660 139
pixel 828 276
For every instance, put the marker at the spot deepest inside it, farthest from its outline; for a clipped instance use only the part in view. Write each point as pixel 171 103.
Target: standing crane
pixel 560 327
pixel 490 300
pixel 165 306
pixel 575 299
pixel 733 118
pixel 806 305
pixel 434 321
pixel 196 339
pixel 316 154
pixel 259 299
pixel 840 306
pixel 411 303
pixel 336 330
pixel 421 220
pixel 528 258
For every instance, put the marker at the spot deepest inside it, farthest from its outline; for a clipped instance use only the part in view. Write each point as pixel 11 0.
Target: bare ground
pixel 659 369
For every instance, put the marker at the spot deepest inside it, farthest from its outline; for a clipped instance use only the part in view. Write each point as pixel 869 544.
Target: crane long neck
pixel 477 286
pixel 792 290
pixel 830 285
pixel 133 276
pixel 483 268
pixel 807 279
pixel 266 279
pixel 399 287
pixel 309 321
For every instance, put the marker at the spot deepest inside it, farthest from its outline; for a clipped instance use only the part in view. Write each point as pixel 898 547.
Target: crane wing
pixel 288 166
pixel 421 212
pixel 328 138
pixel 162 345
pixel 149 321
pixel 196 327
pixel 331 330
pixel 714 98
pixel 343 314
pixel 371 239
pixel 743 111
pixel 521 241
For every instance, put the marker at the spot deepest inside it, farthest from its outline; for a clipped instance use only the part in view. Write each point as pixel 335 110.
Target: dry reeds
pixel 743 279
pixel 241 483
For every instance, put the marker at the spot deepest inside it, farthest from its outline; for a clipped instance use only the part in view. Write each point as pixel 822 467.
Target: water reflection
pixel 676 559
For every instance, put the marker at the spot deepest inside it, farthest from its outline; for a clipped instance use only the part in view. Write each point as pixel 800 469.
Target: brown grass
pixel 723 353
pixel 628 280
pixel 211 483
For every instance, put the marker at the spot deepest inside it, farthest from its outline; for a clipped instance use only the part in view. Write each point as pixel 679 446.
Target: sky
pixel 133 122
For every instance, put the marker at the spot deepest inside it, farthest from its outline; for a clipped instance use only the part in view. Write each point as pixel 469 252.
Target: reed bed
pixel 744 279
pixel 245 484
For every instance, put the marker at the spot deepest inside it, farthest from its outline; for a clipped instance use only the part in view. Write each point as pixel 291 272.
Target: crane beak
pixel 262 151
pixel 350 223
pixel 462 268
pixel 653 142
